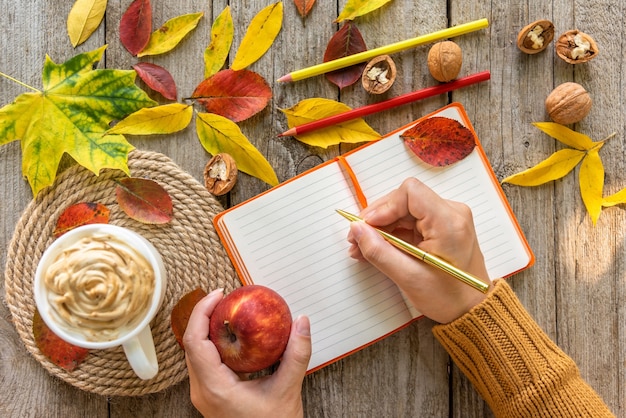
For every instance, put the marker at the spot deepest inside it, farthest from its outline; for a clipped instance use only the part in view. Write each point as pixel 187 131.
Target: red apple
pixel 250 328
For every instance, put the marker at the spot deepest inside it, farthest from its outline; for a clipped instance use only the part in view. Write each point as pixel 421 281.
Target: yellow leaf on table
pixel 567 136
pixel 218 134
pixel 552 168
pixel 591 179
pixel 309 110
pixel 170 34
pixel 356 8
pixel 83 19
pixel 222 33
pixel 165 119
pixel 615 199
pixel 260 35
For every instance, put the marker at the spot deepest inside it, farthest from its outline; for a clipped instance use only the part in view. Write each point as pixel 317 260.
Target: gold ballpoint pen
pixel 433 260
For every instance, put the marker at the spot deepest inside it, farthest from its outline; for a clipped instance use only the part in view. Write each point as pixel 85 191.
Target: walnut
pixel 568 103
pixel 379 75
pixel 220 174
pixel 535 37
pixel 576 47
pixel 444 61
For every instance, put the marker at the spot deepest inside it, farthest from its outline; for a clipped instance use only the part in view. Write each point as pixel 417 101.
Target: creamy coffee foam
pixel 99 287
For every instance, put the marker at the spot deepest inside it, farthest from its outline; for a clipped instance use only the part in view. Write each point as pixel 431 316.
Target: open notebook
pixel 291 239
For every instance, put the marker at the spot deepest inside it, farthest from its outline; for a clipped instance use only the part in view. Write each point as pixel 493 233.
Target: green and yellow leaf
pixel 591 179
pixel 83 19
pixel 164 119
pixel 552 168
pixel 567 136
pixel 260 35
pixel 308 110
pixel 356 8
pixel 222 33
pixel 170 34
pixel 218 134
pixel 71 115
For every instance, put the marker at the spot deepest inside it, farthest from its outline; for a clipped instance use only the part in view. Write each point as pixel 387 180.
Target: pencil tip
pixel 289 132
pixel 285 79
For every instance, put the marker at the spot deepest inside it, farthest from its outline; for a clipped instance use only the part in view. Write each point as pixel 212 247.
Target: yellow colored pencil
pixel 384 50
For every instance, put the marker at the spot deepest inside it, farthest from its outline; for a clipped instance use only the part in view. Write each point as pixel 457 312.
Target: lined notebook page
pixel 292 240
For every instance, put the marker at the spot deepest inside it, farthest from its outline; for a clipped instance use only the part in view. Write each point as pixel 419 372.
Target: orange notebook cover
pixel 290 238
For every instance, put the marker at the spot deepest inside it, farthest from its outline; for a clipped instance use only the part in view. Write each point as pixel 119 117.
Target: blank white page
pixel 292 240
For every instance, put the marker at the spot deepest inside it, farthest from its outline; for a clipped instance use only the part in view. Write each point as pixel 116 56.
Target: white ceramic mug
pixel 137 341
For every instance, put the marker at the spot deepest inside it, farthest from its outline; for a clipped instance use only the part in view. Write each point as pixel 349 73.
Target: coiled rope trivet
pixel 189 245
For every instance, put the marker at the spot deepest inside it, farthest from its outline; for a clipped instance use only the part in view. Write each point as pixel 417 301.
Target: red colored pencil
pixel 387 104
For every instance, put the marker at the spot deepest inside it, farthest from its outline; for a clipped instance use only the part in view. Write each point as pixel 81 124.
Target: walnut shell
pixel 568 103
pixel 576 47
pixel 445 60
pixel 379 74
pixel 220 174
pixel 535 37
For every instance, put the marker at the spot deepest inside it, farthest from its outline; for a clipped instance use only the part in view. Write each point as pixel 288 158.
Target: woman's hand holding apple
pixel 218 391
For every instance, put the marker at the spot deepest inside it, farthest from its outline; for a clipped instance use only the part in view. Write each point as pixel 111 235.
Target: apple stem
pixel 231 334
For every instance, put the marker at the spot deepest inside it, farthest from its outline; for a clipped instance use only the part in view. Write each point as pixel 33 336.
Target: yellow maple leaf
pixel 260 35
pixel 308 110
pixel 83 19
pixel 165 119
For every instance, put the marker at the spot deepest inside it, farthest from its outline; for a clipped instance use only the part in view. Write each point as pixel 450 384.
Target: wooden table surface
pixel 577 288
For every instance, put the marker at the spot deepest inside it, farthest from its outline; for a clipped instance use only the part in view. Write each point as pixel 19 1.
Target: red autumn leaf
pixel 60 352
pixel 439 141
pixel 157 78
pixel 304 6
pixel 81 214
pixel 346 41
pixel 144 200
pixel 136 26
pixel 236 95
pixel 182 311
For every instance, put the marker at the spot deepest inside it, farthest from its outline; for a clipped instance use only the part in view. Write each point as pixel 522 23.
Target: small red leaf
pixel 81 214
pixel 439 141
pixel 182 311
pixel 236 95
pixel 144 200
pixel 304 6
pixel 60 352
pixel 346 41
pixel 157 78
pixel 136 26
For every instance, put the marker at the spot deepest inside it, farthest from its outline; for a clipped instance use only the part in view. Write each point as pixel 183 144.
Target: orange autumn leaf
pixel 79 214
pixel 58 351
pixel 439 141
pixel 236 95
pixel 304 6
pixel 144 200
pixel 182 311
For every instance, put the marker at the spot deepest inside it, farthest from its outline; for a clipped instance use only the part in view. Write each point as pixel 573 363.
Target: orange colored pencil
pixel 387 104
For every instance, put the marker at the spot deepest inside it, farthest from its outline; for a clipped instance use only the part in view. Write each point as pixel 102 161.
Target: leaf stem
pixel 18 82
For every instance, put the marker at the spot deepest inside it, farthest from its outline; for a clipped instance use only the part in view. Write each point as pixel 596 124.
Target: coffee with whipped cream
pixel 99 287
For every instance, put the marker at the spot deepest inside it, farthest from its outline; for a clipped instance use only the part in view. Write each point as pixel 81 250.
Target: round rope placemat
pixel 192 253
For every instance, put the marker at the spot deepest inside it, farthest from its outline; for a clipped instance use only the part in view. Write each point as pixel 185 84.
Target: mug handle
pixel 141 354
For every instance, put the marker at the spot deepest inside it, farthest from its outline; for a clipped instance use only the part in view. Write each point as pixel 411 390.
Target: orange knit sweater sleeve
pixel 513 364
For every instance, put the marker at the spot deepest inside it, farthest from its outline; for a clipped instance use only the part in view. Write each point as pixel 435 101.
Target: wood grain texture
pixel 576 290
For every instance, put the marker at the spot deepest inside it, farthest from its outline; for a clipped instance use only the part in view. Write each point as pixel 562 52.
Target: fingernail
pixel 356 230
pixel 367 214
pixel 216 291
pixel 303 326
